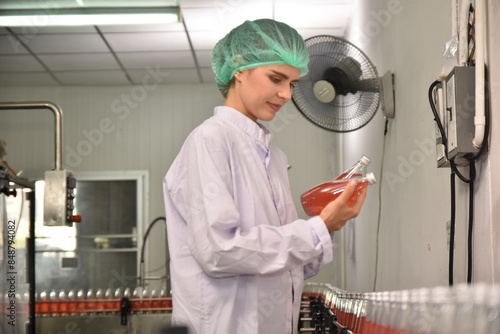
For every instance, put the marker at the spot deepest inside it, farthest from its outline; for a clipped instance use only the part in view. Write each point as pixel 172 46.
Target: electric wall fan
pixel 342 90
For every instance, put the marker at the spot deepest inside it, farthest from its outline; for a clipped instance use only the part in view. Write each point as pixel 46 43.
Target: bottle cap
pixel 370 177
pixel 365 160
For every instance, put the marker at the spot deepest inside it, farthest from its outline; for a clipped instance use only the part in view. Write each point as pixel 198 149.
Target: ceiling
pixel 128 55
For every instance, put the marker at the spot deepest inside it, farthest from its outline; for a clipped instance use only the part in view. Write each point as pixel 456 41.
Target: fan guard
pixel 348 72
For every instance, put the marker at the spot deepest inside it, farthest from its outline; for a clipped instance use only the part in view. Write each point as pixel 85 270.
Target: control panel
pixel 59 195
pixel 460 111
pixel 455 102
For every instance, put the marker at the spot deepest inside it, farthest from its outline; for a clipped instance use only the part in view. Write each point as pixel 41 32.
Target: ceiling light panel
pixel 94 78
pixel 10 45
pixel 170 59
pixel 19 63
pixel 154 41
pixel 66 43
pixel 80 62
pixel 168 76
pixel 26 79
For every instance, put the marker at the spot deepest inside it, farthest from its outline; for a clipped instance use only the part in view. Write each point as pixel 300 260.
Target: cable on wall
pixel 470 180
pixel 379 206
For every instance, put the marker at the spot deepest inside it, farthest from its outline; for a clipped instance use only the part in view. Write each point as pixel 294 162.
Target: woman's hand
pixel 337 212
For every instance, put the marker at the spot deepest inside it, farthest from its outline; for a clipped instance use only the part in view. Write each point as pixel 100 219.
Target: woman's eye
pixel 275 80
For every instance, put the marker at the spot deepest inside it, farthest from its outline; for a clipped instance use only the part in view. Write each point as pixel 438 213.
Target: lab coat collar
pixel 254 129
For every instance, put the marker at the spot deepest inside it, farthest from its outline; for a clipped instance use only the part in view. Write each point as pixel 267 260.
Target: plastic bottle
pixel 155 301
pixel 62 303
pixel 165 301
pixel 146 300
pixel 315 199
pixel 99 301
pixel 356 170
pixel 91 303
pixel 71 305
pixel 117 300
pixel 53 303
pixel 44 304
pixel 108 302
pixel 135 300
pixel 80 302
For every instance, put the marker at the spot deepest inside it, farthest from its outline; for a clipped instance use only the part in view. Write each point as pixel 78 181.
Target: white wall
pixel 407 246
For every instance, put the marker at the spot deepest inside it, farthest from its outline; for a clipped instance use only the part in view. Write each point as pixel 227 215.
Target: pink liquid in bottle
pixel 315 199
pixel 146 300
pixel 117 299
pixel 165 301
pixel 71 304
pixel 108 302
pixel 43 304
pixel 53 304
pixel 155 301
pixel 344 176
pixel 62 303
pixel 90 305
pixel 99 301
pixel 135 301
pixel 80 302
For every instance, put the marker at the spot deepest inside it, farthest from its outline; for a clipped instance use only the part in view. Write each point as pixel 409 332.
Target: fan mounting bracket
pixel 387 90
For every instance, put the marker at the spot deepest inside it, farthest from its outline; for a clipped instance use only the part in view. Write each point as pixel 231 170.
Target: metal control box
pixel 460 111
pixel 58 198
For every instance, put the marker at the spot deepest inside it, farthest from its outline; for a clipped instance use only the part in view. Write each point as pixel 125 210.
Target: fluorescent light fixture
pixel 88 16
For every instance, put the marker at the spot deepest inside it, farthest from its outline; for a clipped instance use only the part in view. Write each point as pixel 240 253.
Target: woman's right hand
pixel 337 212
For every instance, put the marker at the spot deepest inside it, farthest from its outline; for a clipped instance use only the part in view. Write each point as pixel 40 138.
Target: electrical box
pixel 460 112
pixel 456 105
pixel 58 198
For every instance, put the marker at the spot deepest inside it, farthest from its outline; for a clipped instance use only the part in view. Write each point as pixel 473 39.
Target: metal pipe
pixel 142 273
pixel 57 122
pixel 480 119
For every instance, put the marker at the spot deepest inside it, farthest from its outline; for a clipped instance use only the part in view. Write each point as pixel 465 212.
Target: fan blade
pixel 342 90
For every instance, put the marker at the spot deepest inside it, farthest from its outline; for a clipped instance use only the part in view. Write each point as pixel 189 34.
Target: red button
pixel 76 219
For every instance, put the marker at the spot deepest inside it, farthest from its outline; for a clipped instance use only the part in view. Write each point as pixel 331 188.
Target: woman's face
pixel 260 93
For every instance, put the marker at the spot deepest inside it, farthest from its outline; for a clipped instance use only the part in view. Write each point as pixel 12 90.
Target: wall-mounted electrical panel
pixel 456 105
pixel 460 112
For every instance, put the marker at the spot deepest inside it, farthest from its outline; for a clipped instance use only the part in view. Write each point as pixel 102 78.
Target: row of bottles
pixel 102 302
pixel 459 309
pixel 315 199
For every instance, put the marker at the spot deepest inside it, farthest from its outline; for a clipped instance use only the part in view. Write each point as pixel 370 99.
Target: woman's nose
pixel 285 93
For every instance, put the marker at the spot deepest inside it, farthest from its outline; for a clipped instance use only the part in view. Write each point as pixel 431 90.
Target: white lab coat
pixel 238 252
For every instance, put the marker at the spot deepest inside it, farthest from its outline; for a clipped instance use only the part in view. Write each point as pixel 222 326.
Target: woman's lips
pixel 274 107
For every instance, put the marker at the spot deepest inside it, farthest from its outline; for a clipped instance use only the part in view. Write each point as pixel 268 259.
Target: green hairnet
pixel 255 44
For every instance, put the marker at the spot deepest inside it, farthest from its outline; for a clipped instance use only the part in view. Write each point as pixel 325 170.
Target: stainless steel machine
pixel 72 278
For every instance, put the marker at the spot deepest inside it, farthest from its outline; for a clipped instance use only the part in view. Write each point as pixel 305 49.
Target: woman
pixel 239 253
